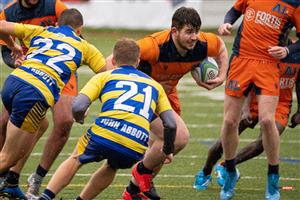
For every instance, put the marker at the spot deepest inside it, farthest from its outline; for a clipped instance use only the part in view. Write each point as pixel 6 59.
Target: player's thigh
pixel 232 108
pixel 18 142
pixel 267 106
pixel 62 110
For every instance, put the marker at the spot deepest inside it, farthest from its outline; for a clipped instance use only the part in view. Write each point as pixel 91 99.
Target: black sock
pixel 79 198
pixel 41 171
pixel 273 169
pixel 230 165
pixel 46 195
pixel 3 174
pixel 132 188
pixel 142 169
pixel 206 171
pixel 12 178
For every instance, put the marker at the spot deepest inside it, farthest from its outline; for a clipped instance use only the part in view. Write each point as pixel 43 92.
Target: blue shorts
pixel 90 150
pixel 25 105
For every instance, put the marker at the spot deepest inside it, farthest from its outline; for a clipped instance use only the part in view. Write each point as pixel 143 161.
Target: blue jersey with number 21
pixel 129 100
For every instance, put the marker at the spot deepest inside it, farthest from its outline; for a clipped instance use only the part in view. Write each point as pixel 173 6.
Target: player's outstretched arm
pixel 231 16
pixel 6 31
pixel 170 127
pixel 80 107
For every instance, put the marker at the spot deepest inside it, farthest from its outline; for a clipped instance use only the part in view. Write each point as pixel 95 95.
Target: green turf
pixel 204 117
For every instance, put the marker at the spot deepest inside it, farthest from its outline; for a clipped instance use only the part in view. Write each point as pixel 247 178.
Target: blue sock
pixel 79 198
pixel 47 195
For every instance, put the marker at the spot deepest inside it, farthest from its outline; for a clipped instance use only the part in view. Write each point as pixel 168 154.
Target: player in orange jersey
pixel 258 46
pixel 289 76
pixel 167 56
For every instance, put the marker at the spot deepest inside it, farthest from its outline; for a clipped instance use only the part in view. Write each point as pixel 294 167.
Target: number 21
pixel 133 91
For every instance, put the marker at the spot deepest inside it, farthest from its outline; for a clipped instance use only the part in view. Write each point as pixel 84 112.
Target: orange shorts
pixel 174 101
pixel 243 72
pixel 71 88
pixel 282 112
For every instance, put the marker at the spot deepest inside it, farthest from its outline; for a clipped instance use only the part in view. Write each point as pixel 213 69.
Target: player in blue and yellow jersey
pixel 259 45
pixel 54 53
pixel 130 99
pixel 43 13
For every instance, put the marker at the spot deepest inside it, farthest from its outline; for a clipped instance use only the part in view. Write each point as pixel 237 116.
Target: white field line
pixel 244 140
pixel 175 176
pixel 191 126
pixel 38 154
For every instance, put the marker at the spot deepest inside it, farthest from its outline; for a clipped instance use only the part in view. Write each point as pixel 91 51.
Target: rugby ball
pixel 207 70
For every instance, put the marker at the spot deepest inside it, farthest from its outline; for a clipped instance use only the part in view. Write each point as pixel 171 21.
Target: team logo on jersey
pixel 267 19
pixel 250 14
pixel 263 18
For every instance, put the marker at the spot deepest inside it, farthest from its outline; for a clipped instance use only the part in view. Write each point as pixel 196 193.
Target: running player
pixel 54 54
pixel 43 13
pixel 120 133
pixel 289 76
pixel 258 47
pixel 167 56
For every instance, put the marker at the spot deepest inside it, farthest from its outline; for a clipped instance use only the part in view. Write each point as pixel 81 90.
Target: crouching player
pixel 120 134
pixel 289 76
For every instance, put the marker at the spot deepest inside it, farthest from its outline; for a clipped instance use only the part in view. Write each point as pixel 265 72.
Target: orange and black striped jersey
pixel 161 60
pixel 45 13
pixel 265 24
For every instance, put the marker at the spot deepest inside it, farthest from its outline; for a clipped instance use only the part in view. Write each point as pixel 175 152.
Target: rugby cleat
pixel 227 191
pixel 145 184
pixel 127 196
pixel 220 172
pixel 34 182
pixel 202 181
pixel 272 190
pixel 12 192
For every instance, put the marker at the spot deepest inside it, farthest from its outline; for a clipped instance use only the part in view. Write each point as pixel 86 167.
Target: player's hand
pixel 19 61
pixel 169 159
pixel 211 84
pixel 81 119
pixel 295 120
pixel 225 29
pixel 16 51
pixel 278 52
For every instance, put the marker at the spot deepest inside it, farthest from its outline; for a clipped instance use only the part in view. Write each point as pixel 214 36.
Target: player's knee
pixel 231 123
pixel 267 122
pixel 6 162
pixel 182 139
pixel 63 126
pixel 3 122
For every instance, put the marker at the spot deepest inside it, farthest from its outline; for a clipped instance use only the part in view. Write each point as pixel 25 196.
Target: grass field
pixel 203 113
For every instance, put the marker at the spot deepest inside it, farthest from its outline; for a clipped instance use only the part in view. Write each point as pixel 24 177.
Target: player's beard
pixel 30 4
pixel 185 45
